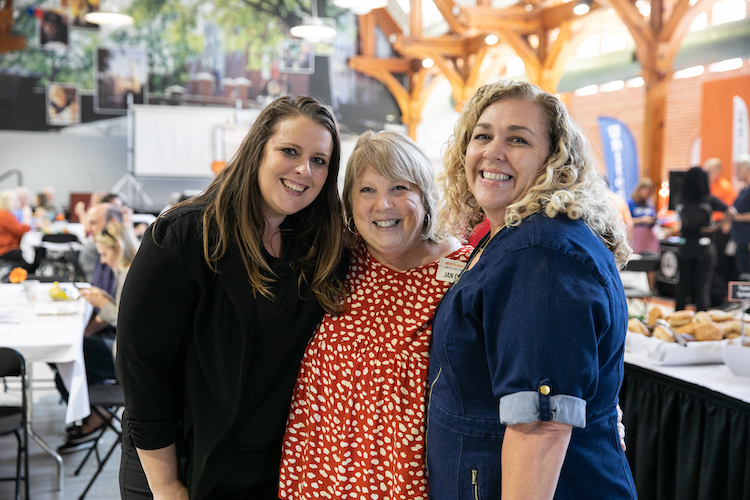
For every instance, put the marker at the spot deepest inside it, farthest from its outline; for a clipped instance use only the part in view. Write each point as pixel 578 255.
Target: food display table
pixel 687 430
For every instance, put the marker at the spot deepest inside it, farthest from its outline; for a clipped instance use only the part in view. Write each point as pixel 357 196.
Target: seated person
pixel 99 335
pixel 11 232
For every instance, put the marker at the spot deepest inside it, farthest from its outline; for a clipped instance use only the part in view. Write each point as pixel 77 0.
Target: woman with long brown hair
pixel 221 299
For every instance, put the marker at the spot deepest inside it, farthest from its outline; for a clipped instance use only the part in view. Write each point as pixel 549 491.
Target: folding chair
pixel 13 419
pixel 111 398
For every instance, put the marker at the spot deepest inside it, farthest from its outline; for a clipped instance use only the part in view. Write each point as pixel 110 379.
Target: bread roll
pixel 636 326
pixel 729 328
pixel 654 314
pixel 708 331
pixel 702 317
pixel 718 315
pixel 680 318
pixel 688 328
pixel 662 333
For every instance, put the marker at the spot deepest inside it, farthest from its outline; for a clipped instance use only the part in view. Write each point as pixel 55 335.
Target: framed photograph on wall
pixel 63 104
pixel 296 56
pixel 78 9
pixel 53 29
pixel 119 71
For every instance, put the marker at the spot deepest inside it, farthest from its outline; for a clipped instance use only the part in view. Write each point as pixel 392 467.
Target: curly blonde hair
pixel 568 183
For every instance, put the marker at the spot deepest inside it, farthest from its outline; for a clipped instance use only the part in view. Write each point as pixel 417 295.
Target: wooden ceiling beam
pixel 415 18
pixel 487 18
pixel 446 10
pixel 553 17
pixel 386 22
pixel 367 35
pixel 448 45
pixel 391 64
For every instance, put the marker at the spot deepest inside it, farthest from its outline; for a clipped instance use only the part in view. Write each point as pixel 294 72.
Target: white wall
pixel 78 163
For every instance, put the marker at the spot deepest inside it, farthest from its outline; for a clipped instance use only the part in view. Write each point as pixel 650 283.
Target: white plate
pixel 670 353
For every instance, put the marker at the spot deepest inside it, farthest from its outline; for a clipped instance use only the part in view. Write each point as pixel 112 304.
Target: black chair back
pixel 13 418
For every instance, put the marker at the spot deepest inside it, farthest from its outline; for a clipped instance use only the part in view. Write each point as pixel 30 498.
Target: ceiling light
pixel 108 14
pixel 314 29
pixel 582 7
pixel 491 39
pixel 427 63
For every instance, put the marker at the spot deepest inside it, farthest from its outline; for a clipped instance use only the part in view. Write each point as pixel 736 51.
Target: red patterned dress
pixel 357 421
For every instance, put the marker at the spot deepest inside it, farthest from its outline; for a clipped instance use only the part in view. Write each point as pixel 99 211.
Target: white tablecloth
pixel 51 332
pixel 716 377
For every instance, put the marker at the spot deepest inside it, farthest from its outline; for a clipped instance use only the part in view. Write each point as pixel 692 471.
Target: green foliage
pixel 171 31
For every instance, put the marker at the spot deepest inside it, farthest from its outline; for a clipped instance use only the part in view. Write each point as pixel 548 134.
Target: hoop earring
pixel 350 224
pixel 426 222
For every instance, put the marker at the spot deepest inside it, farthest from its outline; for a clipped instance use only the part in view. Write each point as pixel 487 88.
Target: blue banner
pixel 620 154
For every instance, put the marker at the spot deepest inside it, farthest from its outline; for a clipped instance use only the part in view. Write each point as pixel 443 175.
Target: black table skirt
pixel 684 441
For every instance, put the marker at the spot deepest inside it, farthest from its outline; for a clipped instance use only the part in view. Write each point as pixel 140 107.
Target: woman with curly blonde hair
pixel 527 353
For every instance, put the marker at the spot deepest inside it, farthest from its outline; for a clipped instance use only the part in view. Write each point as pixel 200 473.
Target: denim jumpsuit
pixel 534 331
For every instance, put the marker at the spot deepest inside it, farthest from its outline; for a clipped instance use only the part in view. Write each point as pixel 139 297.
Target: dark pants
pixel 133 483
pixel 742 259
pixel 696 271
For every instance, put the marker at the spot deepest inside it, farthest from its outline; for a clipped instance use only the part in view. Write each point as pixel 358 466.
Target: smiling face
pixel 389 216
pixel 294 168
pixel 509 146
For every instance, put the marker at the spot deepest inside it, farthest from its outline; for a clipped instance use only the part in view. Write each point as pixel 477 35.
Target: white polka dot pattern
pixel 356 424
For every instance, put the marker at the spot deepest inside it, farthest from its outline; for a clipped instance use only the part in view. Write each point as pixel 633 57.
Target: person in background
pixel 358 408
pixel 116 245
pixel 98 335
pixel 740 213
pixel 223 295
pixel 23 212
pixel 696 257
pixel 96 217
pixel 11 232
pixel 643 214
pixel 725 268
pixel 719 186
pixel 527 349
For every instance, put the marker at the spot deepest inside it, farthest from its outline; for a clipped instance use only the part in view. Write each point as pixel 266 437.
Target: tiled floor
pixel 49 423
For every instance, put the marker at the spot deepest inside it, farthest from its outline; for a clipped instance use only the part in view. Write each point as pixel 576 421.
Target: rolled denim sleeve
pixel 524 407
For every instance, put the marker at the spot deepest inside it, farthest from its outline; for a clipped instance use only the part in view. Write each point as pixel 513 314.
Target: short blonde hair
pixel 567 184
pixel 8 200
pixel 397 158
pixel 117 233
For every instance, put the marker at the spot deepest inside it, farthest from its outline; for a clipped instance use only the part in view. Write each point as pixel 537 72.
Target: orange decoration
pixel 218 166
pixel 17 275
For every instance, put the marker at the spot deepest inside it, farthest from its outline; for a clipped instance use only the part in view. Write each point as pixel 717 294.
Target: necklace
pixel 475 255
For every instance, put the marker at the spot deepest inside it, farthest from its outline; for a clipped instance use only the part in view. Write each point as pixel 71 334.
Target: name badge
pixel 449 269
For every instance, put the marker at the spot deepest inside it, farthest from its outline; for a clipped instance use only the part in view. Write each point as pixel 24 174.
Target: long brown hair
pixel 232 204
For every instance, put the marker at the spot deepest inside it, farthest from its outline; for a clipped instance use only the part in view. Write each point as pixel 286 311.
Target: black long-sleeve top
pixel 204 362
